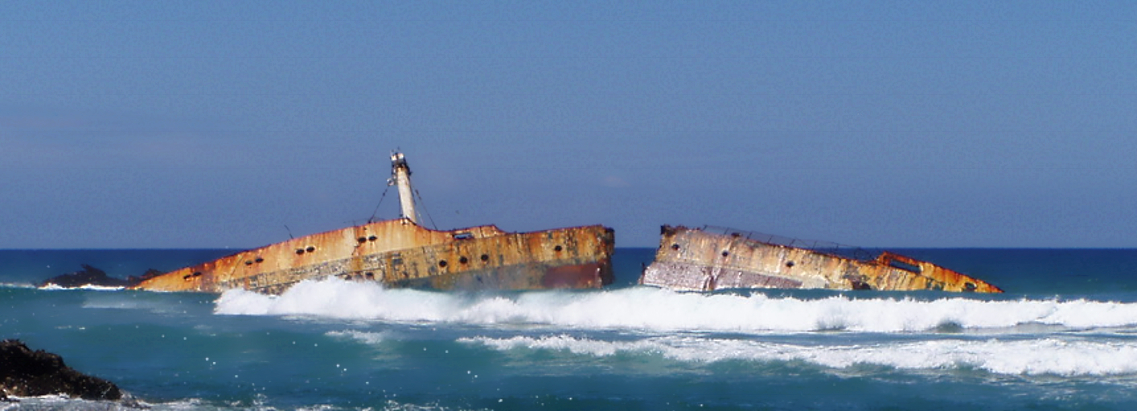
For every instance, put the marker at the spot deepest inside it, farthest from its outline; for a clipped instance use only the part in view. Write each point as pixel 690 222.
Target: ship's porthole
pixel 299 251
pixel 442 263
pixel 725 253
pixel 790 264
pixel 259 260
pixel 675 247
pixel 361 239
pixel 370 276
pixel 248 262
pixel 485 257
pixel 310 249
pixel 558 248
pixel 463 260
pixel 372 238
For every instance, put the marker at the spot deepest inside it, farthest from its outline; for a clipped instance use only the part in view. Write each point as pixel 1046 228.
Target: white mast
pixel 401 177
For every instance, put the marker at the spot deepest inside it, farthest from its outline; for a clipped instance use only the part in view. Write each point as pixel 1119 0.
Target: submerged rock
pixel 27 373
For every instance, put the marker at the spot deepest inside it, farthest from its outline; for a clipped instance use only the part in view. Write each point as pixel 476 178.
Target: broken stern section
pixel 400 253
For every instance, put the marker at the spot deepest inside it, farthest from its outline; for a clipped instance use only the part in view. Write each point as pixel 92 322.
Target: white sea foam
pixel 661 310
pixel 64 403
pixel 342 299
pixel 1016 357
pixel 82 287
pixel 361 336
pixel 126 302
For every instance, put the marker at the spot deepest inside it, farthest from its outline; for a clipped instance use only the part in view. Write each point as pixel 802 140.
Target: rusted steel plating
pixel 697 260
pixel 400 253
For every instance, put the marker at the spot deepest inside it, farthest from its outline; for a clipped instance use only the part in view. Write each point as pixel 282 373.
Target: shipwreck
pixel 708 259
pixel 400 253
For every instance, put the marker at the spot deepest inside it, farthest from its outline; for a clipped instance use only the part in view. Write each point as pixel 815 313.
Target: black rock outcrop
pixel 93 276
pixel 88 276
pixel 27 373
pixel 151 273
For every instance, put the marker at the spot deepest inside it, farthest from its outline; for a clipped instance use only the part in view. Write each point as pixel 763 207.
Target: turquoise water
pixel 1063 337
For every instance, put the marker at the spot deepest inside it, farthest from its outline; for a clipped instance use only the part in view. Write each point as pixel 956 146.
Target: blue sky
pixel 903 124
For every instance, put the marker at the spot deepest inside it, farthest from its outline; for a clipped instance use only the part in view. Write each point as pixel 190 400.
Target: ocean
pixel 1064 336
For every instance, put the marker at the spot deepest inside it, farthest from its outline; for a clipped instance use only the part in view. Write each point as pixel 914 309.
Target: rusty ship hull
pixel 697 260
pixel 399 253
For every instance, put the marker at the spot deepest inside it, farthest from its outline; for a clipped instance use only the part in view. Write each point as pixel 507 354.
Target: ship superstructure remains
pixel 700 260
pixel 400 253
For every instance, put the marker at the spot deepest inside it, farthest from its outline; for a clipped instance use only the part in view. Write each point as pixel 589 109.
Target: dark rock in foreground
pixel 96 277
pixel 27 373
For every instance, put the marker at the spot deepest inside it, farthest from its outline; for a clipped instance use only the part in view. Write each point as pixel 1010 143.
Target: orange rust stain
pixel 399 252
pixel 692 259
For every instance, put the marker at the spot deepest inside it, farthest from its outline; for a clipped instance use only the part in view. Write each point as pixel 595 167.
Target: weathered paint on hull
pixel 400 253
pixel 696 260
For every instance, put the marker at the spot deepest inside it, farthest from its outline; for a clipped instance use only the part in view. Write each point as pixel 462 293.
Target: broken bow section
pixel 692 259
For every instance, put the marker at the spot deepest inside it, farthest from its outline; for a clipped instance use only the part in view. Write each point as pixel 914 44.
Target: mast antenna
pixel 401 178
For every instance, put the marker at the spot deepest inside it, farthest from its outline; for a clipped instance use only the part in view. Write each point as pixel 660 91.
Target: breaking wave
pixel 1017 357
pixel 650 309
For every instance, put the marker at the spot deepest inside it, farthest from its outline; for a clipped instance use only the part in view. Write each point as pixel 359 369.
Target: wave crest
pixel 662 310
pixel 1016 357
